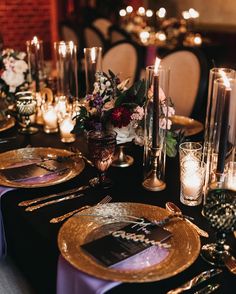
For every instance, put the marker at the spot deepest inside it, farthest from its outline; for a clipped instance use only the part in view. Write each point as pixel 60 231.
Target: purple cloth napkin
pixel 3 246
pixel 72 281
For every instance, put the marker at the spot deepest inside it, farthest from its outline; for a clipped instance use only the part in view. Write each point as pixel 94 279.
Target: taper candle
pixel 35 42
pixel 224 130
pixel 155 129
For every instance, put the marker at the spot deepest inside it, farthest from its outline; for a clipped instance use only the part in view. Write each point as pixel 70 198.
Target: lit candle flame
pixel 93 54
pixel 35 40
pixel 62 49
pixel 71 46
pixel 225 79
pixel 157 64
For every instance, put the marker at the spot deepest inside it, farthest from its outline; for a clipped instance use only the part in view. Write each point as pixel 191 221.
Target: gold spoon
pixel 171 207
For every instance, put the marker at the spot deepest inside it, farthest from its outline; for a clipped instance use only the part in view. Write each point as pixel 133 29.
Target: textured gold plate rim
pixel 10 122
pixel 185 244
pixel 8 158
pixel 191 126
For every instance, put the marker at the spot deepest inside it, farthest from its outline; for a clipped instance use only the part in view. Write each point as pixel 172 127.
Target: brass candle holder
pixel 152 182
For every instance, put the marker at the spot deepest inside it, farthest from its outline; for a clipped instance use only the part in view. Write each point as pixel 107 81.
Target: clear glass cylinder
pixel 67 69
pixel 215 73
pixel 36 63
pixel 164 123
pixel 209 147
pixel 93 64
pixel 223 128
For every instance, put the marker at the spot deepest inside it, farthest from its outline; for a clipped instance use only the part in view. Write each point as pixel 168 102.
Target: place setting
pixel 125 180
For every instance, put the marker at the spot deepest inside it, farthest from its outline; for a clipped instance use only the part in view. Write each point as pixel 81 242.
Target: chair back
pixel 69 34
pixel 93 38
pixel 117 34
pixel 188 81
pixel 122 58
pixel 102 24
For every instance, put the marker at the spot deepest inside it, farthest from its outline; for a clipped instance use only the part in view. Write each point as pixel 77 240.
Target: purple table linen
pixel 3 245
pixel 72 281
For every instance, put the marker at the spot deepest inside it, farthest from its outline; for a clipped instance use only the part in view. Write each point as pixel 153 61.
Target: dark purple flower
pixel 120 117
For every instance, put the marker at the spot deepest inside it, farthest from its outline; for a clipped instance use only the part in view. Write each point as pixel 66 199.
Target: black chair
pixel 103 25
pixel 188 81
pixel 123 58
pixel 94 38
pixel 117 34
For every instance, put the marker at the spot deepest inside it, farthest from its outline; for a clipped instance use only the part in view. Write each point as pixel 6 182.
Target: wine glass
pixel 101 147
pixel 220 211
pixel 26 106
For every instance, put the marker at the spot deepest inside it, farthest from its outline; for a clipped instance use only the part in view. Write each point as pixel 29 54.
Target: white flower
pixel 168 110
pixel 124 134
pixel 138 113
pixel 21 55
pixel 12 79
pixel 165 123
pixel 20 66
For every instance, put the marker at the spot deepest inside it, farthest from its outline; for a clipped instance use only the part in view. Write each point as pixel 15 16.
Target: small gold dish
pixel 190 126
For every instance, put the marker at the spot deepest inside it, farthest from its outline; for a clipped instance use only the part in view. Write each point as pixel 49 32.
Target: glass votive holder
pixel 66 125
pixel 192 150
pixel 192 176
pixel 50 118
pixel 230 176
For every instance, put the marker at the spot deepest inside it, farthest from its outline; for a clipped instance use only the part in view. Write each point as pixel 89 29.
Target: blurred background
pixel 155 27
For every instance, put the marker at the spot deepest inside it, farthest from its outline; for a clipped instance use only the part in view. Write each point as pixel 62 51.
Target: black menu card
pixel 110 250
pixel 31 171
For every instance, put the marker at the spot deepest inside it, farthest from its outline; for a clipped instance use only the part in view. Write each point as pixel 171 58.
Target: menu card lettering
pixel 125 243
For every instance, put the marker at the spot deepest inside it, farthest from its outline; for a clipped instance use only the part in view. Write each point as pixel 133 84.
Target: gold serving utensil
pixel 175 209
pixel 34 207
pixel 92 183
pixel 61 218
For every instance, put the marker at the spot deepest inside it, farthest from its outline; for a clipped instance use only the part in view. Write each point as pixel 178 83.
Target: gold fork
pixel 61 218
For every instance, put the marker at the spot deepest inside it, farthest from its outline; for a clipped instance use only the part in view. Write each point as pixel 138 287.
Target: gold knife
pixel 34 207
pixel 64 193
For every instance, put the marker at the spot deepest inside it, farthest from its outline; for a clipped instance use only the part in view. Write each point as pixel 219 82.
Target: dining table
pixel 32 241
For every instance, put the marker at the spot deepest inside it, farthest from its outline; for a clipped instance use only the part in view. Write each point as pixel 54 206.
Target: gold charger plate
pixel 185 242
pixel 189 125
pixel 7 124
pixel 25 156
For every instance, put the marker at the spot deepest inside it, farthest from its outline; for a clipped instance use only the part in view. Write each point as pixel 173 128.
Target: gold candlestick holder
pixel 152 182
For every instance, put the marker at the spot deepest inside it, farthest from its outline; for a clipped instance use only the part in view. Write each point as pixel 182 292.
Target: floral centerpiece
pixel 13 74
pixel 113 105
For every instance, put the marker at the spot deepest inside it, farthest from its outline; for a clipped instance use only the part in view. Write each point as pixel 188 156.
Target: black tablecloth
pixel 32 240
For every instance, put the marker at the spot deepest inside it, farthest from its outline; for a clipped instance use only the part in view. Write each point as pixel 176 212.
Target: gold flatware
pixel 230 263
pixel 208 289
pixel 69 214
pixel 34 207
pixel 92 183
pixel 175 209
pixel 202 277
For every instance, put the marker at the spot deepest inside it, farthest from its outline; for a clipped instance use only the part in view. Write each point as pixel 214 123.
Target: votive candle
pixel 66 126
pixel 50 120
